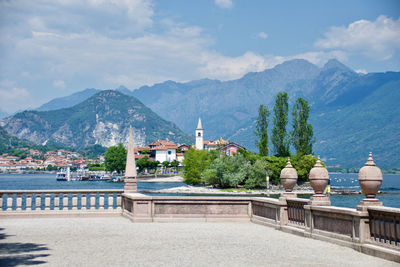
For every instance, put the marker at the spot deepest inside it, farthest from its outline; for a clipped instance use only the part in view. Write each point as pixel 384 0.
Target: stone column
pixel 370 179
pixel 130 181
pixel 319 178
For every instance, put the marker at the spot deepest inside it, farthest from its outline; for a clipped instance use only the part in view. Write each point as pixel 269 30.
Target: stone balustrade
pixel 295 211
pixel 35 201
pixel 375 230
pixel 385 226
pixel 142 208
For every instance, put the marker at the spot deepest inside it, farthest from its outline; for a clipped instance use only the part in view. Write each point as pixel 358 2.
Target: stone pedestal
pixel 319 200
pixel 368 202
pixel 288 195
pixel 130 185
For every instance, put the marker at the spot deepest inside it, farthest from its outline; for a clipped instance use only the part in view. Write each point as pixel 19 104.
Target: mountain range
pixel 351 113
pixel 103 118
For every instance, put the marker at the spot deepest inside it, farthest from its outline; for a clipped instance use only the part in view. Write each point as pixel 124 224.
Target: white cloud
pixel 262 35
pixel 378 39
pixel 13 99
pixel 224 3
pixel 59 84
pixel 105 44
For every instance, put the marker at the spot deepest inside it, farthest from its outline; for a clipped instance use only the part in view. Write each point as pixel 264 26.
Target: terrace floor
pixel 115 241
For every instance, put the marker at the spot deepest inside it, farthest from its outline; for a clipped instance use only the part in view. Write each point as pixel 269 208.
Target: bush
pixel 257 175
pixel 227 171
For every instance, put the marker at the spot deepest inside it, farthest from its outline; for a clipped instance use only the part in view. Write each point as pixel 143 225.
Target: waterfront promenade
pixel 116 241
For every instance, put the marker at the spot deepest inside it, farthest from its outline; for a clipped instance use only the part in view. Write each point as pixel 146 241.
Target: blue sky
pixel 52 48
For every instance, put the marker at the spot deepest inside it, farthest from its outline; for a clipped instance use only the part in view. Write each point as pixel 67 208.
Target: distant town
pixel 161 150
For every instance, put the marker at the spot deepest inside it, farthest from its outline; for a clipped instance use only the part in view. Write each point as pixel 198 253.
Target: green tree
pixel 165 164
pixel 280 138
pixel 227 171
pixel 302 134
pixel 257 175
pixel 115 158
pixel 262 130
pixel 194 163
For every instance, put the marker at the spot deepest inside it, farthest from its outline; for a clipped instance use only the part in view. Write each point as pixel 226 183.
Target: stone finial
pixel 288 176
pixel 370 178
pixel 319 177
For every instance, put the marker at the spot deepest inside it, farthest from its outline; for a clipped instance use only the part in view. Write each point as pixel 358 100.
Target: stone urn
pixel 288 177
pixel 319 177
pixel 370 178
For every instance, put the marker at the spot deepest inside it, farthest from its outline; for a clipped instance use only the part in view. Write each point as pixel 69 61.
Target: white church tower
pixel 199 136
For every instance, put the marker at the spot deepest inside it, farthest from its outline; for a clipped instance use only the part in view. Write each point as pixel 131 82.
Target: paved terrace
pixel 116 241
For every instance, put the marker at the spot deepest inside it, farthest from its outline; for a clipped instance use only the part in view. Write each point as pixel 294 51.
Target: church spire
pixel 199 126
pixel 199 136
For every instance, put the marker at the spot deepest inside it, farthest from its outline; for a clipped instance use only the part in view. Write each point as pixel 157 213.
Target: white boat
pixel 62 175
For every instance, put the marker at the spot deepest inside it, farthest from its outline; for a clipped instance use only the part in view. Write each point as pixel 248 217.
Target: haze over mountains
pixel 351 113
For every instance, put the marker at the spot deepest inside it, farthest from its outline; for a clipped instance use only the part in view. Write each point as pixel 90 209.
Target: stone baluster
pixel 47 200
pixel 110 201
pixel 119 200
pixel 65 201
pixel 74 201
pixel 18 202
pixel 56 201
pixel 101 201
pixel 84 201
pixel 9 201
pixel 38 201
pixel 92 201
pixel 28 202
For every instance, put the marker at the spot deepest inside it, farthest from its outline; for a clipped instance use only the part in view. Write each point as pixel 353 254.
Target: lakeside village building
pixel 38 160
pixel 164 150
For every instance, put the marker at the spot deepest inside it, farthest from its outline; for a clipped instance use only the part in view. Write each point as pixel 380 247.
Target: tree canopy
pixel 262 130
pixel 302 134
pixel 115 158
pixel 280 139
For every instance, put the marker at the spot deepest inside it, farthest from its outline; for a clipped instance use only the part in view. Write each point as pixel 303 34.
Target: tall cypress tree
pixel 280 138
pixel 262 130
pixel 302 134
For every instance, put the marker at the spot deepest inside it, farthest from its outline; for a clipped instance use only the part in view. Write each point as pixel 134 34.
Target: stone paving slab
pixel 118 242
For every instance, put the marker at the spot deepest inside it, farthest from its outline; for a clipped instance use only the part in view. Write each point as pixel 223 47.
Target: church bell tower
pixel 199 136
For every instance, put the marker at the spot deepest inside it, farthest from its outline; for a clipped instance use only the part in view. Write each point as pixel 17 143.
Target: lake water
pixel 390 186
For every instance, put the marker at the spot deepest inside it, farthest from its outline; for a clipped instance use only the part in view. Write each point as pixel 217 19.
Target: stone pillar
pixel 370 179
pixel 319 178
pixel 130 181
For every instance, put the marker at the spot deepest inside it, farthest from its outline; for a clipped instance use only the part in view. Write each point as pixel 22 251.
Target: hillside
pixel 102 119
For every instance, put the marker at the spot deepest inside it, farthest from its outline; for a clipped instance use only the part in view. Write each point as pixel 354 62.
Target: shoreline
pixel 205 190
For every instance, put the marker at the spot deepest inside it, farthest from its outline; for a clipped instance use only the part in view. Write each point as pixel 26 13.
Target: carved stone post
pixel 319 178
pixel 130 181
pixel 370 179
pixel 288 180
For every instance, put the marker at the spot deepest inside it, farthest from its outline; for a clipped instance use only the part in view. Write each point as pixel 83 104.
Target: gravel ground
pixel 115 241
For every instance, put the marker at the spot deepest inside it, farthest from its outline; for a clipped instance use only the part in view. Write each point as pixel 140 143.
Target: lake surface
pixel 390 186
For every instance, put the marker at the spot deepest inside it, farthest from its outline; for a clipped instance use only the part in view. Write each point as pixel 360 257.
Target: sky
pixel 53 48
